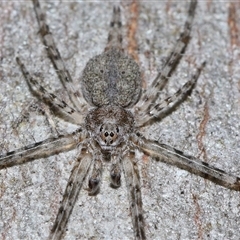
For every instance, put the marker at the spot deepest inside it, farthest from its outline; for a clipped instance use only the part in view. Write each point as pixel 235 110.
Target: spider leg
pixel 48 113
pixel 162 152
pixel 134 193
pixel 150 95
pixel 39 107
pixel 96 174
pixel 115 171
pixel 54 55
pixel 115 33
pixel 51 98
pixel 160 110
pixel 71 193
pixel 42 149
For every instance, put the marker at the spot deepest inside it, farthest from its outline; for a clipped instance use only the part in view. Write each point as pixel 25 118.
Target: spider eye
pixel 106 134
pixel 111 134
pixel 117 129
pixel 101 128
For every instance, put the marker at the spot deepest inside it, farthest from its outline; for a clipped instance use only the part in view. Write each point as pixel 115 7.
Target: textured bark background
pixel 177 204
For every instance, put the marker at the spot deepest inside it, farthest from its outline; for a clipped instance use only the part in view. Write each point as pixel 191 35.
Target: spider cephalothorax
pixel 109 125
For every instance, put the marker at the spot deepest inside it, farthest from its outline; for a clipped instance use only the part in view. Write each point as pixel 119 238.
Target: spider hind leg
pixel 115 33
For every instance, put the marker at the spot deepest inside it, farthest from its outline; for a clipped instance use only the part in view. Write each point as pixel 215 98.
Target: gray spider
pixel 110 130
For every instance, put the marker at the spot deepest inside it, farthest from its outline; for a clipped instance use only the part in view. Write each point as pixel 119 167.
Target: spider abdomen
pixel 111 78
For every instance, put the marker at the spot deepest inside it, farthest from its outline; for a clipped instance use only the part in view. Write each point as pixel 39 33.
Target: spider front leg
pixel 115 172
pixel 132 177
pixel 74 95
pixel 152 93
pixel 74 185
pixel 191 164
pixel 96 174
pixel 42 149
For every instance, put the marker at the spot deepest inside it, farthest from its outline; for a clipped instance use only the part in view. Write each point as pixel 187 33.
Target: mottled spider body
pixel 109 129
pixel 111 78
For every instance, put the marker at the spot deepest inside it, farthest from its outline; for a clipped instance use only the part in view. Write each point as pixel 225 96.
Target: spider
pixel 110 130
